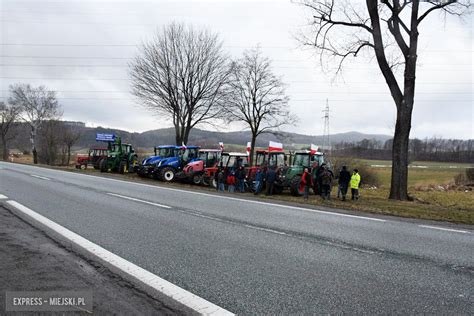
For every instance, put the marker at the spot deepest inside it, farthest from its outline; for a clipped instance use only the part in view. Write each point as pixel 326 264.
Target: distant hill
pixel 203 138
pixel 210 138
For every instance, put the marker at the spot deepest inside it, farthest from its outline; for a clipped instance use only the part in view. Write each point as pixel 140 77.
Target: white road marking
pixel 127 268
pixel 445 229
pixel 3 197
pixel 39 177
pixel 138 200
pixel 225 197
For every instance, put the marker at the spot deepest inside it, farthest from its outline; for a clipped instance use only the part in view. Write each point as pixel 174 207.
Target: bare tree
pixel 376 27
pixel 257 96
pixel 181 74
pixel 9 114
pixel 38 104
pixel 70 136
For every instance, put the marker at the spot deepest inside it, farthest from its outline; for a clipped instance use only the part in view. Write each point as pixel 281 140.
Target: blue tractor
pixel 148 165
pixel 167 168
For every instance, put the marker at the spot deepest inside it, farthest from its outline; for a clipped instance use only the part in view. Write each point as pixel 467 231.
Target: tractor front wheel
pixel 295 186
pixel 122 167
pixel 168 174
pixel 103 165
pixel 197 178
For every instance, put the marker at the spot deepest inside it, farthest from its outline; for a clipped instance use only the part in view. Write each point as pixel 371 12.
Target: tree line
pixel 51 139
pixel 428 149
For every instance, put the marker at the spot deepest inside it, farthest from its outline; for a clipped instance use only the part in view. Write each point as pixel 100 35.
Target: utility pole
pixel 326 140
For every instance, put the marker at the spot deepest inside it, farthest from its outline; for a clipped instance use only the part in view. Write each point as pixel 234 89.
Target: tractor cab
pixel 147 167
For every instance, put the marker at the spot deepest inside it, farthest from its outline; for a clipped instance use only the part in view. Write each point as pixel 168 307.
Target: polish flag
pixel 248 148
pixel 183 145
pixel 314 149
pixel 221 146
pixel 273 146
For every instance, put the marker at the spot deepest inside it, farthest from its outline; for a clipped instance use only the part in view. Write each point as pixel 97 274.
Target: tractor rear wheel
pixel 168 174
pixel 103 165
pixel 295 187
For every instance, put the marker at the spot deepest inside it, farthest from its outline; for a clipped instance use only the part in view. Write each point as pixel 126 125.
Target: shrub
pixel 367 174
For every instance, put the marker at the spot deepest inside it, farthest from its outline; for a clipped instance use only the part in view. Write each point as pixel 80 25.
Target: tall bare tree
pixel 70 136
pixel 9 114
pixel 181 74
pixel 375 27
pixel 38 104
pixel 257 96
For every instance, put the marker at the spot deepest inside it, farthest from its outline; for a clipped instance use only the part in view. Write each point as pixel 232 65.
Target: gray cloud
pixel 103 35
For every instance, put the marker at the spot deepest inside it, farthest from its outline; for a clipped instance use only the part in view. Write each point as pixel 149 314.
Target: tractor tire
pixel 122 167
pixel 277 189
pixel 295 186
pixel 83 167
pixel 103 165
pixel 168 174
pixel 197 178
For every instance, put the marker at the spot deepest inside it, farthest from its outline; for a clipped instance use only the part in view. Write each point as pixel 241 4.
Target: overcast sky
pixel 81 49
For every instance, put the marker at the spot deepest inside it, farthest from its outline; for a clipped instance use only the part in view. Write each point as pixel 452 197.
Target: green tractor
pixel 290 177
pixel 120 158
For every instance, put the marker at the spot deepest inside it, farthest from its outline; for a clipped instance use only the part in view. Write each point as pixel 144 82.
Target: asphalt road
pixel 253 257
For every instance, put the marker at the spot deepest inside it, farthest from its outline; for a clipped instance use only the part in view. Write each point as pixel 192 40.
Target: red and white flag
pixel 248 148
pixel 221 146
pixel 273 146
pixel 314 149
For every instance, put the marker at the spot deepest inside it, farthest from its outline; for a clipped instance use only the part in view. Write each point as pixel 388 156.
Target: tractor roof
pixel 308 152
pixel 165 146
pixel 188 147
pixel 236 154
pixel 210 150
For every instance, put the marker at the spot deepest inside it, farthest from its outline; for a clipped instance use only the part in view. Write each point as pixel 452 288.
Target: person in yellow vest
pixel 355 181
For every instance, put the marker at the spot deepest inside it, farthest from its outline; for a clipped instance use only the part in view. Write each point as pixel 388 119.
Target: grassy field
pixel 431 201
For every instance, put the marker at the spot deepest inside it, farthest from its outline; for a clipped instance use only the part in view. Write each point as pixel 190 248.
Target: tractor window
pixel 203 155
pixel 212 158
pixel 301 160
pixel 317 160
pixel 260 159
pixel 189 154
pixel 276 160
pixel 126 149
pixel 178 152
pixel 165 152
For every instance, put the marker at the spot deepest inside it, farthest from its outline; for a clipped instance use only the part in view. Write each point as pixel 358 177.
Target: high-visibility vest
pixel 355 180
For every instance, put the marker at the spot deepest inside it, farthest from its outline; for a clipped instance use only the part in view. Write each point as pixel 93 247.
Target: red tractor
pixel 195 171
pixel 228 161
pixel 93 158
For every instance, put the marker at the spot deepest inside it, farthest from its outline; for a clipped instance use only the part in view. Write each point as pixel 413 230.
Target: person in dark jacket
pixel 240 179
pixel 270 179
pixel 220 180
pixel 326 182
pixel 258 181
pixel 343 182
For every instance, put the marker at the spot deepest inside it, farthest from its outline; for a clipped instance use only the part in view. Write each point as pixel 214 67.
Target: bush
pixel 367 174
pixel 470 174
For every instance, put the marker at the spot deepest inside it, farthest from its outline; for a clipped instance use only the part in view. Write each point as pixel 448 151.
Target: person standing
pixel 326 182
pixel 307 182
pixel 355 181
pixel 220 180
pixel 231 182
pixel 258 181
pixel 240 178
pixel 271 177
pixel 343 182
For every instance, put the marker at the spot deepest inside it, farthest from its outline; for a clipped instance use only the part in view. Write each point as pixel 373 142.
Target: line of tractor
pixel 200 166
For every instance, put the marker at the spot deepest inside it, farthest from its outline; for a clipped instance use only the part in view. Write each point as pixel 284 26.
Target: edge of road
pixel 164 291
pixel 295 205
